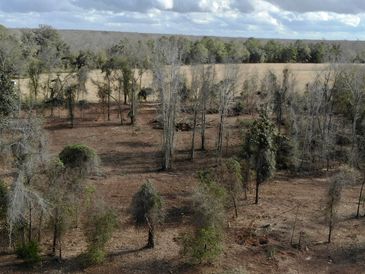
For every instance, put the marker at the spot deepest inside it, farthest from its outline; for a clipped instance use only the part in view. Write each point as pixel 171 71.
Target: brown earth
pixel 257 241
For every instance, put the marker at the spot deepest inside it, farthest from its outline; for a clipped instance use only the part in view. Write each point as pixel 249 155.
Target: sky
pixel 294 19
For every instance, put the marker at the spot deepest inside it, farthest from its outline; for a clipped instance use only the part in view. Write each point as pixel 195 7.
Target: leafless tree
pixel 168 81
pixel 353 85
pixel 26 140
pixel 226 90
pixel 202 77
pixel 345 176
pixel 204 96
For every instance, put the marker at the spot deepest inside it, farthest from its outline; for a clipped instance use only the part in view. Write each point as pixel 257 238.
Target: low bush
pixel 102 224
pixel 29 252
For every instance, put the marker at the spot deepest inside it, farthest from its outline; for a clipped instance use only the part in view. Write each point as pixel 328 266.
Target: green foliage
pixel 238 108
pixel 94 256
pixel 286 158
pixel 230 176
pixel 234 167
pixel 147 204
pixel 204 243
pixel 318 52
pixel 29 252
pixel 101 225
pixel 202 247
pixel 8 97
pixel 259 147
pixel 78 156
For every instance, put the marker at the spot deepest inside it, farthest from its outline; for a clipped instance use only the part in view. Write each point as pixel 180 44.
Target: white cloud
pixel 260 18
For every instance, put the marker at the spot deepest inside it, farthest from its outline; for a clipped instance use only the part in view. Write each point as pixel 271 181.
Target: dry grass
pixel 303 73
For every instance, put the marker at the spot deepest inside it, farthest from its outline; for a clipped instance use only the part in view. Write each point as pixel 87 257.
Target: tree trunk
pixel 203 124
pixel 30 225
pixel 257 191
pixel 192 153
pixel 220 134
pixel 125 97
pixel 360 198
pixel 121 114
pixel 235 205
pixel 55 233
pixel 151 234
pixel 330 225
pixel 70 109
pixel 22 234
pixel 108 105
pixel 40 226
pixel 133 107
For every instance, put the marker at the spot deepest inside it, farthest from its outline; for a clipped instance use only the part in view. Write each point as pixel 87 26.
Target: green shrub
pixel 204 244
pixel 202 247
pixel 101 224
pixel 146 202
pixel 147 210
pixel 80 159
pixel 29 252
pixel 94 256
pixel 77 155
pixel 285 154
pixel 238 108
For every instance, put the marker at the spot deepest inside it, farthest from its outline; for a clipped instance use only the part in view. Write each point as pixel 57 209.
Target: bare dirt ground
pixel 257 241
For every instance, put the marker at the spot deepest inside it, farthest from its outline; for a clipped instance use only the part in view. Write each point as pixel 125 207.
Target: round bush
pixel 78 156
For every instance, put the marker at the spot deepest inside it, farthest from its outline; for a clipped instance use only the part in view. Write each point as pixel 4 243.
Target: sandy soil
pixel 258 240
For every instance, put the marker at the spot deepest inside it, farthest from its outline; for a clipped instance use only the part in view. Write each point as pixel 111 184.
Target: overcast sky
pixel 312 19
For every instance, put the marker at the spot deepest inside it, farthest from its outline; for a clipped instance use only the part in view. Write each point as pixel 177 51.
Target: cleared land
pixel 258 240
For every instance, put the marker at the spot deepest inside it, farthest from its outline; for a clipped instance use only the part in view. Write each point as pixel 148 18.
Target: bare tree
pixel 230 177
pixel 201 84
pixel 226 89
pixel 351 91
pixel 346 176
pixel 196 85
pixel 249 93
pixel 313 121
pixel 26 140
pixel 205 95
pixel 167 80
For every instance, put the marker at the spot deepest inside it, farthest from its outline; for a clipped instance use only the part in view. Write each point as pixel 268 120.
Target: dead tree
pixel 352 92
pixel 196 76
pixel 167 80
pixel 226 89
pixel 205 94
pixel 346 176
pixel 28 147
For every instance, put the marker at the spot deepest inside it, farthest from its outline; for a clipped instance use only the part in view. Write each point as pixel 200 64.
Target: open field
pixel 303 73
pixel 257 241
